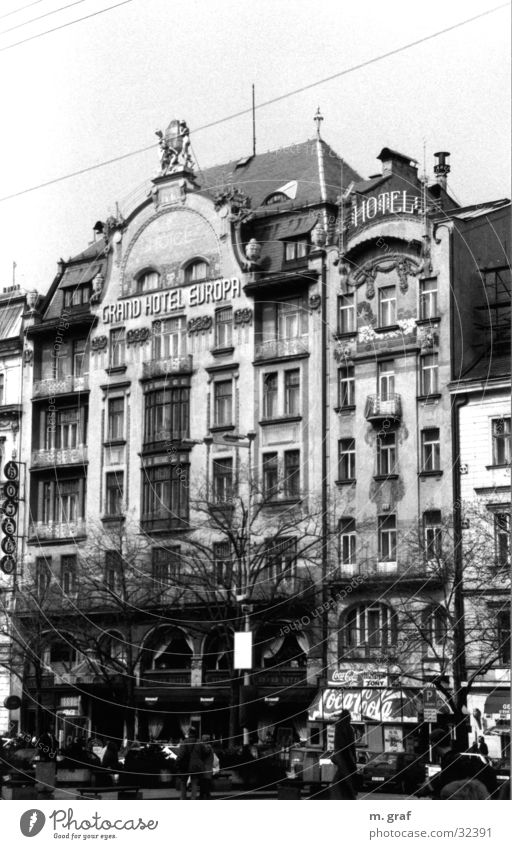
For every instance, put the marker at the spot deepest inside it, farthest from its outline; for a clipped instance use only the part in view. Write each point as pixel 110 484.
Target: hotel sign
pixel 160 303
pixel 385 203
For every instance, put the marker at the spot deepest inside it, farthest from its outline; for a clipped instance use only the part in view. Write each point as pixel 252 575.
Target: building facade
pixel 237 417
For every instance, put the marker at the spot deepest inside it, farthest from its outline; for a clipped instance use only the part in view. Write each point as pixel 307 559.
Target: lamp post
pixel 245 441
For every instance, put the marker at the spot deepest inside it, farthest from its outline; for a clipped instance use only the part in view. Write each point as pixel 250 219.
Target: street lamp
pixel 245 441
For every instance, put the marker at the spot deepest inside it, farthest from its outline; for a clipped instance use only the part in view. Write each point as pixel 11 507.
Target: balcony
pixel 278 348
pixel 47 531
pixel 379 409
pixel 171 677
pixel 172 365
pixel 389 571
pixel 59 456
pixel 50 386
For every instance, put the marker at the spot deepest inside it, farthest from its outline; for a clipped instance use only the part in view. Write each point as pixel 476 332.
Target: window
pixel 114 493
pixel 222 564
pixel 270 395
pixel 68 574
pixel 270 474
pixel 113 570
pixel 346 314
pixel 500 441
pixel 197 270
pixel 78 296
pixel 68 359
pixel 222 480
pixel 386 454
pixel 428 299
pixel 165 565
pixel 429 375
pixel 117 347
pixel 2 388
pixel 347 541
pixel 224 328
pixel 386 380
pixel 369 627
pixel 63 428
pixel 115 425
pixel 223 402
pixel 276 197
pixel 502 538
pixel 281 559
pixel 63 501
pixel 296 250
pixel 169 338
pixel 147 281
pixel 80 364
pixel 387 306
pixel 61 651
pixel 504 636
pixel 387 539
pixel 283 321
pixel 346 459
pixel 430 449
pixel 166 415
pixel 43 574
pixel 292 392
pixel 436 626
pixel 346 386
pixel 432 535
pixel 165 496
pixel 292 474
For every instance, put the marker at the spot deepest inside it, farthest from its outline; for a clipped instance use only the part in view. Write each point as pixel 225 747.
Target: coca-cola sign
pixel 370 676
pixel 378 705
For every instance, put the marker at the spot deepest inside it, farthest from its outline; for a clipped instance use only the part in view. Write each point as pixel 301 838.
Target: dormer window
pixel 147 281
pixel 78 296
pixel 197 270
pixel 274 198
pixel 296 250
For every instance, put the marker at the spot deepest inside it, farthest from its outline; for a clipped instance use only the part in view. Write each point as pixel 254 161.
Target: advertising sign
pixel 243 649
pixel 382 705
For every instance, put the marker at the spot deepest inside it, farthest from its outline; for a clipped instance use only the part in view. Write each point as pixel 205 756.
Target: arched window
pixel 217 652
pixel 197 269
pixel 367 629
pixel 286 651
pixel 148 280
pixel 113 652
pixel 167 648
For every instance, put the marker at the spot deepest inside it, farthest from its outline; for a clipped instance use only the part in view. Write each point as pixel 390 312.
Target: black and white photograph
pixel 255 420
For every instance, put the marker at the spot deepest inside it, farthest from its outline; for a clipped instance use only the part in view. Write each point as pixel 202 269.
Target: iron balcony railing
pixel 171 365
pixel 50 386
pixel 380 407
pixel 59 456
pixel 281 348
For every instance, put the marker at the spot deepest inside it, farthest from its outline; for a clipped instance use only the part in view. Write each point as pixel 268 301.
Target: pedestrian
pixel 206 777
pixel 190 764
pixel 474 748
pixel 456 766
pixel 343 785
pixel 482 747
pixel 110 762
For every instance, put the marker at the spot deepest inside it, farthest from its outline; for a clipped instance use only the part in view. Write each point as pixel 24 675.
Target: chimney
pixel 397 163
pixel 442 168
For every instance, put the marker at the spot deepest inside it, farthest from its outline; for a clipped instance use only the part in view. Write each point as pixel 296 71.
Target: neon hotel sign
pixel 385 203
pixel 159 303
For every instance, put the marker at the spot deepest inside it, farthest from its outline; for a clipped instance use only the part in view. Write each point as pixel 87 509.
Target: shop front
pixel 169 716
pixel 490 719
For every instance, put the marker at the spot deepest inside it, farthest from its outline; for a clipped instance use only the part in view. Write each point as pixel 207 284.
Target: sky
pixel 101 87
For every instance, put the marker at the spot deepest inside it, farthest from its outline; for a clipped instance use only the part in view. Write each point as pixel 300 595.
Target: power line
pixel 273 100
pixel 15 11
pixel 39 17
pixel 62 26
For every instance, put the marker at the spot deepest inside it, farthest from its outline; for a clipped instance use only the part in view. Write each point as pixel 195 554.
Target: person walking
pixel 190 764
pixel 110 763
pixel 206 777
pixel 343 785
pixel 482 747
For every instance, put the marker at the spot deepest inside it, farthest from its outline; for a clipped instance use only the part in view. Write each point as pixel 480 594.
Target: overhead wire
pixel 265 103
pixel 62 26
pixel 21 9
pixel 40 17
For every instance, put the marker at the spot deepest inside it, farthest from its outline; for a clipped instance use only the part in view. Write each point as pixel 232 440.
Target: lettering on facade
pixel 385 203
pixel 160 303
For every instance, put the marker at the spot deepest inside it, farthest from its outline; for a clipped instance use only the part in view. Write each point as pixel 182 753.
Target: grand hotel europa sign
pixel 160 303
pixel 385 203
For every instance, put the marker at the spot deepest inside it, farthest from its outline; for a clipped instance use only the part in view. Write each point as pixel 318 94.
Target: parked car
pixel 402 772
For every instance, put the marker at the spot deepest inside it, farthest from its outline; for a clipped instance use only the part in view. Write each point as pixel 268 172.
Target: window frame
pixel 347 459
pixel 114 493
pixel 222 473
pixel 359 632
pixel 292 392
pixel 223 403
pixel 117 347
pixel 192 267
pixel 429 369
pixel 222 563
pixel 387 454
pixel 169 338
pixel 428 299
pixel 163 573
pixel 223 327
pixel 386 380
pixel 346 315
pixel 270 397
pixel 346 387
pixel 501 441
pixel 114 417
pixel 387 306
pixel 68 567
pixel 292 473
pixel 432 535
pixel 387 538
pixel 166 415
pixel 347 541
pixel 165 495
pixel 270 469
pixel 502 538
pixel 143 276
pixel 430 456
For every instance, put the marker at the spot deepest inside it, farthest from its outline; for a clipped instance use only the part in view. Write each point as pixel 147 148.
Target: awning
pixel 499 731
pixel 378 705
pixel 497 703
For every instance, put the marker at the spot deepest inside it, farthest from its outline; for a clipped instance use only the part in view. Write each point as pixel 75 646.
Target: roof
pixel 388 153
pixel 261 175
pixel 10 319
pixel 476 210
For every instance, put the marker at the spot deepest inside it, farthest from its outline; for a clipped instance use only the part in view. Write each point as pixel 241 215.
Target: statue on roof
pixel 174 146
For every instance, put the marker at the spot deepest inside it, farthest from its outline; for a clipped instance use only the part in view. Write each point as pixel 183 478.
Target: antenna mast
pixel 253 123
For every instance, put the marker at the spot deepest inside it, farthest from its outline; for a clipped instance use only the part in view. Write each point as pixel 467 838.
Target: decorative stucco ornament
pixel 32 297
pixel 97 287
pixel 318 235
pixel 242 317
pixel 253 252
pixel 234 205
pixel 314 301
pixel 174 146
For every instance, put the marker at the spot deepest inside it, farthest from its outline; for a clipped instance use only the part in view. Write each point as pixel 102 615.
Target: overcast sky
pixel 101 87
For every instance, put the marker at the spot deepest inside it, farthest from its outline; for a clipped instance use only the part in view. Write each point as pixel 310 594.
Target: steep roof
pixel 261 175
